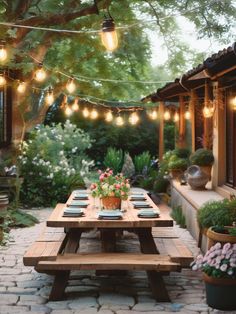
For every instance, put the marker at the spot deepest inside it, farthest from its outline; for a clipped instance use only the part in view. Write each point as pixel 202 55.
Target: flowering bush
pixel 53 162
pixel 219 261
pixel 111 185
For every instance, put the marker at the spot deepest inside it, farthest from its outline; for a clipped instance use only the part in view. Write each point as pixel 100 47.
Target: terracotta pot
pixel 207 170
pixel 220 293
pixel 111 202
pixel 214 237
pixel 176 173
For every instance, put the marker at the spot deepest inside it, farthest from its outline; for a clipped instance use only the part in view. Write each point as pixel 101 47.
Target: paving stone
pixel 58 305
pixel 115 299
pixel 83 303
pixel 62 312
pixel 7 284
pixel 144 307
pixel 8 299
pixel 40 308
pixel 196 307
pixel 19 290
pixel 31 300
pixel 5 309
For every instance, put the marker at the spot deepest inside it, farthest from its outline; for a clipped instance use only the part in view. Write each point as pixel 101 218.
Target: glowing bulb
pixel 75 105
pixel 109 35
pixel 167 115
pixel 21 87
pixel 233 102
pixel 70 86
pixel 94 114
pixel 119 121
pixel 153 114
pixel 49 96
pixel 109 116
pixel 207 112
pixel 3 53
pixel 187 115
pixel 85 112
pixel 68 111
pixel 134 118
pixel 40 74
pixel 2 80
pixel 176 117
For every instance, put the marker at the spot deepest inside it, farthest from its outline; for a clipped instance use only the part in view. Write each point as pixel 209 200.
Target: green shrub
pixel 142 162
pixel 114 159
pixel 53 163
pixel 178 163
pixel 178 216
pixel 202 157
pixel 182 152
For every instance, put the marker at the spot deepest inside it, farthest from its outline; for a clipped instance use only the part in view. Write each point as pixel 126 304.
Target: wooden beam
pixel 161 130
pixel 182 125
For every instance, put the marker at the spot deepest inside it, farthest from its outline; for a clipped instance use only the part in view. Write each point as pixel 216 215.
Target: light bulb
pixel 70 86
pixel 187 115
pixel 207 112
pixel 75 105
pixel 21 87
pixel 109 36
pixel 233 102
pixel 2 80
pixel 109 116
pixel 68 111
pixel 153 114
pixel 176 117
pixel 167 115
pixel 85 112
pixel 49 97
pixel 119 121
pixel 94 114
pixel 40 74
pixel 134 118
pixel 3 53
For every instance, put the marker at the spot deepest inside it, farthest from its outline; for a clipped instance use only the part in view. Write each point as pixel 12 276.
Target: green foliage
pixel 128 168
pixel 178 164
pixel 114 159
pixel 142 163
pixel 169 135
pixel 182 152
pixel 53 163
pixel 202 157
pixel 178 216
pixel 217 213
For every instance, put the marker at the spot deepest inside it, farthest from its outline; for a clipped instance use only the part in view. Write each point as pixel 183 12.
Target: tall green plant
pixel 142 162
pixel 114 159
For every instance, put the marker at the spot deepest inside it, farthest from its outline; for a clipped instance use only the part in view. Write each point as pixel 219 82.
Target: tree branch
pixel 22 8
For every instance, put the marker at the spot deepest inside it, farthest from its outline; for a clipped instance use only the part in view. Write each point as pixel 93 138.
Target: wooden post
pixel 161 130
pixel 192 105
pixel 181 141
pixel 207 137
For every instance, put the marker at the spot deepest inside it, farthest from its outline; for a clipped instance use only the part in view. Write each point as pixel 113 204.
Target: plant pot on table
pixel 111 202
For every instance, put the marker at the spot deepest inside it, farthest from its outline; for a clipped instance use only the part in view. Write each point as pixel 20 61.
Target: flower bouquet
pixel 111 189
pixel 219 273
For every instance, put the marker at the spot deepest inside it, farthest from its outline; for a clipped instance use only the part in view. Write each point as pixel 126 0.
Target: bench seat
pixel 110 261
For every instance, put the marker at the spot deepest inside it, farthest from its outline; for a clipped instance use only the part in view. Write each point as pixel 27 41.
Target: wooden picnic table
pixel 66 257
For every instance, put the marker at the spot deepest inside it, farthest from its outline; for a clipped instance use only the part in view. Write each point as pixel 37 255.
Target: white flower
pixel 61 153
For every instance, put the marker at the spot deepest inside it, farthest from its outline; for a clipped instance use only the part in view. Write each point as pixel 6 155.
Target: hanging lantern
pixel 233 102
pixel 70 86
pixel 3 52
pixel 134 118
pixel 176 117
pixel 94 114
pixel 40 74
pixel 49 99
pixel 167 115
pixel 2 80
pixel 187 114
pixel 68 111
pixel 109 35
pixel 153 114
pixel 119 121
pixel 86 112
pixel 75 105
pixel 109 116
pixel 208 109
pixel 21 87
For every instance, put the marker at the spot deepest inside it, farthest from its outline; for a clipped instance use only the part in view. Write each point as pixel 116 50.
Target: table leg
pixel 148 246
pixel 61 277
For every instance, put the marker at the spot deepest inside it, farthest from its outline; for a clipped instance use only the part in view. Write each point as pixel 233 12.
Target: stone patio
pixel 22 290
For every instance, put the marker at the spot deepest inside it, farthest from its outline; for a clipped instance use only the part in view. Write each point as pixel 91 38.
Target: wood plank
pixel 164 232
pixel 107 261
pixel 51 234
pixel 41 251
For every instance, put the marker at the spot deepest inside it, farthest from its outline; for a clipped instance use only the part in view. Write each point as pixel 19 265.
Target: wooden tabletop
pixel 89 220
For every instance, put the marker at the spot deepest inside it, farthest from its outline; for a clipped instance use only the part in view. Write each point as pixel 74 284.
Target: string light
pixel 2 80
pixel 109 116
pixel 134 118
pixel 21 87
pixel 109 35
pixel 119 121
pixel 68 111
pixel 49 96
pixel 94 114
pixel 85 112
pixel 208 111
pixel 233 102
pixel 187 114
pixel 176 117
pixel 3 52
pixel 153 114
pixel 167 115
pixel 40 74
pixel 70 86
pixel 75 105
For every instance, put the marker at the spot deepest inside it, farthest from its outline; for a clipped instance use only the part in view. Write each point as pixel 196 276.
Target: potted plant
pixel 111 189
pixel 204 159
pixel 219 274
pixel 177 166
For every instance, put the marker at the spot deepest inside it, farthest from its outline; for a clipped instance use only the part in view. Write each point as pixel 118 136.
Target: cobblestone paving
pixel 22 290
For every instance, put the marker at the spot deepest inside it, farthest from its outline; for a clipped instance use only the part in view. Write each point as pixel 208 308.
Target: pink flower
pixel 111 171
pixel 117 186
pixel 226 247
pixel 101 178
pixel 223 267
pixel 93 186
pixel 99 171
